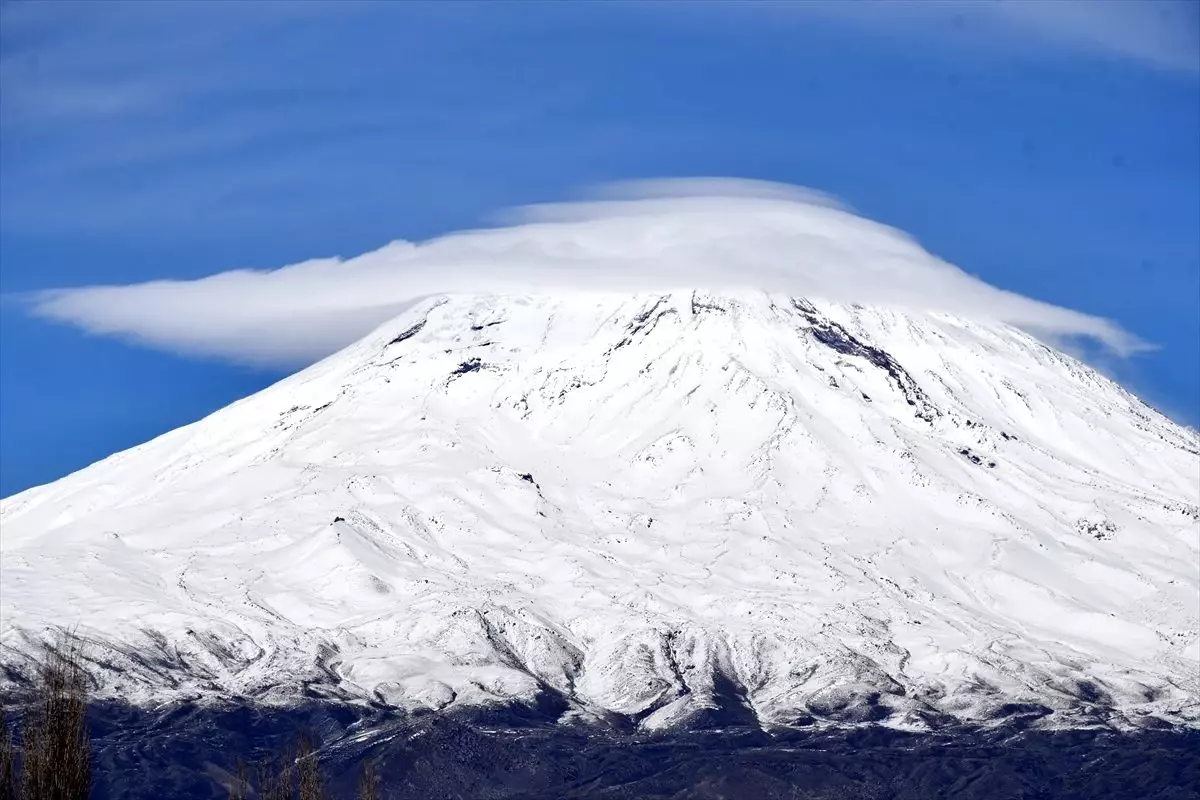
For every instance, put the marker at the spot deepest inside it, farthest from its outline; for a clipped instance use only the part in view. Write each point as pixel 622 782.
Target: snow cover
pixel 663 506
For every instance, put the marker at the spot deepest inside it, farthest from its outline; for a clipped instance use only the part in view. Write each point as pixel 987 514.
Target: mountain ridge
pixel 679 508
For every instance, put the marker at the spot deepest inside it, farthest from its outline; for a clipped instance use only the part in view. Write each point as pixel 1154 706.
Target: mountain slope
pixel 683 508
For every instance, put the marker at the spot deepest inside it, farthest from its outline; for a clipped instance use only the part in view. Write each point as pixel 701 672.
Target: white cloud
pixel 644 236
pixel 1164 34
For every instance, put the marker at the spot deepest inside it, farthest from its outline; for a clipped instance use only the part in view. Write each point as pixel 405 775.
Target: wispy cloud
pixel 1163 34
pixel 657 235
pixel 139 118
pixel 92 90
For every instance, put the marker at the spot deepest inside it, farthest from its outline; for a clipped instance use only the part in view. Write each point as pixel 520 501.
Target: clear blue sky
pixel 1051 149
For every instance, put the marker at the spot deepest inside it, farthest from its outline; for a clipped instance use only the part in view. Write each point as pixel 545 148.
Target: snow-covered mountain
pixel 675 507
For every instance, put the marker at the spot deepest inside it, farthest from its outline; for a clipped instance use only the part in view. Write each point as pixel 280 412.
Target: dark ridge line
pixel 643 321
pixel 838 339
pixel 408 334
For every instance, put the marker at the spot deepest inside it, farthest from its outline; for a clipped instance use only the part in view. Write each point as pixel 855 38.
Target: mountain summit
pixel 681 508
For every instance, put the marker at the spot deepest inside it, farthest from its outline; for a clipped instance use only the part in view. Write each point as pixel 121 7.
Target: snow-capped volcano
pixel 669 506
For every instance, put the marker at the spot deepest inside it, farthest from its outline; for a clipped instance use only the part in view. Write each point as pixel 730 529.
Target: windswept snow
pixel 676 507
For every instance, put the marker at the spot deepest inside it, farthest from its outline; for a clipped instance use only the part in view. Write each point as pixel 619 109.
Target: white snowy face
pixel 636 500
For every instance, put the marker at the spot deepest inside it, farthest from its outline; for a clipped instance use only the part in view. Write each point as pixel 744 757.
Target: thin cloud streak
pixel 662 235
pixel 1162 34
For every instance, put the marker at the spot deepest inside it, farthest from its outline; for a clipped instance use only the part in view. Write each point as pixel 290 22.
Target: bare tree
pixel 276 777
pixel 239 788
pixel 368 781
pixel 8 786
pixel 56 748
pixel 282 774
pixel 312 784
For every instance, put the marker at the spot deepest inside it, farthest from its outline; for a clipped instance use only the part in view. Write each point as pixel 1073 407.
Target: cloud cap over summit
pixel 637 236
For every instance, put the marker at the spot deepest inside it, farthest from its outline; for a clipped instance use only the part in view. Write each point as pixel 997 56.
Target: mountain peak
pixel 678 506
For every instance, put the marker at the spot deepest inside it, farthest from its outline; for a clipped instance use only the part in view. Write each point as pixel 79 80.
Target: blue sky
pixel 1050 149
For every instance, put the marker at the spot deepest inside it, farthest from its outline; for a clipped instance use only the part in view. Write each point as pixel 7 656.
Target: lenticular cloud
pixel 643 236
